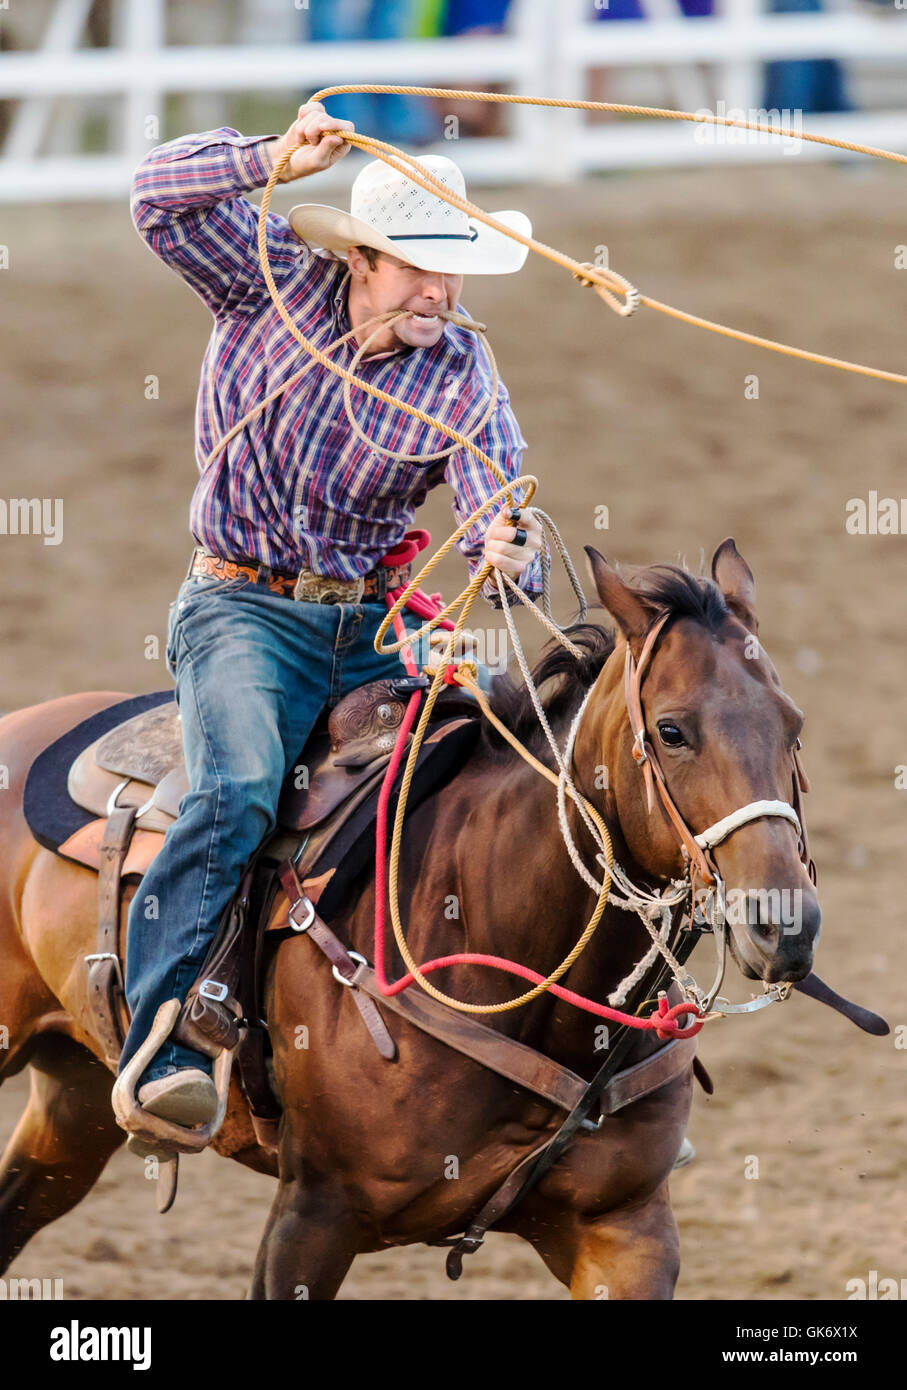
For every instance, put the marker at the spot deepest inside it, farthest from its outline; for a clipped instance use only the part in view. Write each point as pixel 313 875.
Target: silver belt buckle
pixel 321 588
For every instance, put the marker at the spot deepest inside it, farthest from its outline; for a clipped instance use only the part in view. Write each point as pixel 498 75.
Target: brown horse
pixel 374 1154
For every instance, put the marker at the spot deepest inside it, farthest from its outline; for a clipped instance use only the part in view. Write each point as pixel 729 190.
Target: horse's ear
pixel 735 580
pixel 632 615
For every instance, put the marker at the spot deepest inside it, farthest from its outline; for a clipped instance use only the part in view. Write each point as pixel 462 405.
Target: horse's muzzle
pixel 774 938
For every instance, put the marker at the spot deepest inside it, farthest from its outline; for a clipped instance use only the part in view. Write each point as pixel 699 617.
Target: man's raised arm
pixel 188 204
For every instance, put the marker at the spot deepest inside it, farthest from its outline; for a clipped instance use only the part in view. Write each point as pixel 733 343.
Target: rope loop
pixel 397 456
pixel 669 1028
pixel 603 282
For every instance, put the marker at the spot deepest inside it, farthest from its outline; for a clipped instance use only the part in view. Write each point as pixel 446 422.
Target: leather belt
pixel 306 586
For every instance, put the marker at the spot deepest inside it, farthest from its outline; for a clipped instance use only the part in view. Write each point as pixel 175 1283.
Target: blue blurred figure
pixel 397 119
pixel 814 84
pixel 804 84
pixel 459 18
pixel 468 16
pixel 632 9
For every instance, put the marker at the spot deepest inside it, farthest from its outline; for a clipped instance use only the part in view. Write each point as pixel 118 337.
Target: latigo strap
pixel 106 993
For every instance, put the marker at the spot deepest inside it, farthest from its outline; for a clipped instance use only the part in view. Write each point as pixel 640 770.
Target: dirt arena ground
pixel 652 419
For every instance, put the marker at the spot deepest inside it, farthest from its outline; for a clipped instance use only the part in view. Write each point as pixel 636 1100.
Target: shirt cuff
pixel 251 160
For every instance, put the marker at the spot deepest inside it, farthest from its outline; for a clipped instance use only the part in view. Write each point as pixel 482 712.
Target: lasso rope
pixel 377 323
pixel 607 283
pixel 623 298
pixel 665 1022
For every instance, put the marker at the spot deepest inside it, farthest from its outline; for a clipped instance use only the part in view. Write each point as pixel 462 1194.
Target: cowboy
pixel 277 616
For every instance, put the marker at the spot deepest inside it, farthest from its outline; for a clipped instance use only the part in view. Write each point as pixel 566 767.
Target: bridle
pixel 699 863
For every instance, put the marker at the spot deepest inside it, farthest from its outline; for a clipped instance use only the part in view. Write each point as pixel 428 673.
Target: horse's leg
pixel 59 1147
pixel 630 1253
pixel 309 1243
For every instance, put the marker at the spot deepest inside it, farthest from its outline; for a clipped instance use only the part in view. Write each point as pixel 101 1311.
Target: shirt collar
pixel 340 310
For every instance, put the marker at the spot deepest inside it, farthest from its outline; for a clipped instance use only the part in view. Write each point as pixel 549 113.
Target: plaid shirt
pixel 296 487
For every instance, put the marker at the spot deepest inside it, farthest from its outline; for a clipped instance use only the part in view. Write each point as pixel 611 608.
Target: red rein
pixel 664 1021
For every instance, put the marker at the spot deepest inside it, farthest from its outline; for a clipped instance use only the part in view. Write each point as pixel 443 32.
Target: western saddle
pixel 132 780
pixel 138 766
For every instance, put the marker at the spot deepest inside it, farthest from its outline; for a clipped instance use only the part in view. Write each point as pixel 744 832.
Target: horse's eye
pixel 671 736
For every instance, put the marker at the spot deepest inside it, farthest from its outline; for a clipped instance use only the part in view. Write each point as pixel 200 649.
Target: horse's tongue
pixel 863 1018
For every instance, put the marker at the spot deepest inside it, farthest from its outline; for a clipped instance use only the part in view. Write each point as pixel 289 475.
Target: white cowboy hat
pixel 391 213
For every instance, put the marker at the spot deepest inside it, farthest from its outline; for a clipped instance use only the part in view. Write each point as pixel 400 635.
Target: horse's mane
pixel 563 679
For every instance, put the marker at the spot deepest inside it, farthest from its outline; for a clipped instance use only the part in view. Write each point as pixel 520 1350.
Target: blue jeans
pixel 253 672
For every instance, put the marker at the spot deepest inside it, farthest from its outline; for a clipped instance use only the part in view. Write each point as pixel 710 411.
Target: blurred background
pixel 82 78
pixel 673 437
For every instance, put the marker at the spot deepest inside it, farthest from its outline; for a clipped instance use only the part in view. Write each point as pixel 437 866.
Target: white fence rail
pixel 550 50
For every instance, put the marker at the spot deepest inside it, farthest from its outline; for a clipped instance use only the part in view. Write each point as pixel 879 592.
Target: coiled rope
pixel 623 298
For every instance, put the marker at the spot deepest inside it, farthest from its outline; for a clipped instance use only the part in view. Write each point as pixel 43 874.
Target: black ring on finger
pixel 521 536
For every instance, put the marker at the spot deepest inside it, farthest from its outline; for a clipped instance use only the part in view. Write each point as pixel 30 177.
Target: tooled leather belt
pixel 305 586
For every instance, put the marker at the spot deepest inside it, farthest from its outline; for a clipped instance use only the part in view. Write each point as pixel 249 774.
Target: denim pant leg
pixel 253 673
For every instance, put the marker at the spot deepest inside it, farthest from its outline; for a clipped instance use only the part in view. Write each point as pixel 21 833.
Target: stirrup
pixel 169 1138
